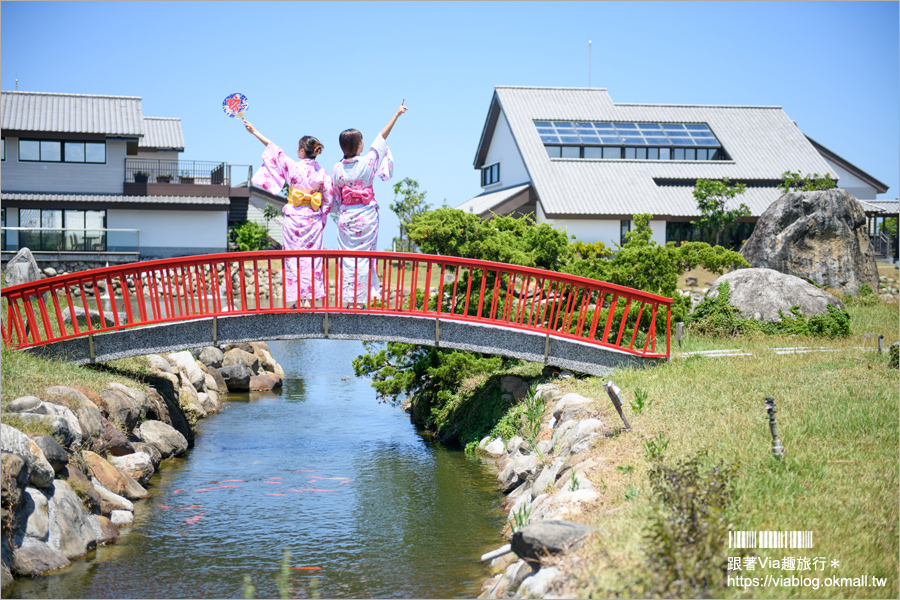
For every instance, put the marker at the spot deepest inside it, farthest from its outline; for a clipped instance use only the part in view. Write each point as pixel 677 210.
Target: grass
pixel 837 419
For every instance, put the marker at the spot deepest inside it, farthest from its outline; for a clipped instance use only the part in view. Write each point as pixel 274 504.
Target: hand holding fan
pixel 235 105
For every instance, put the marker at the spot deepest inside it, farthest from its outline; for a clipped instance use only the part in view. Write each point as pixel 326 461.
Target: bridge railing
pixel 146 293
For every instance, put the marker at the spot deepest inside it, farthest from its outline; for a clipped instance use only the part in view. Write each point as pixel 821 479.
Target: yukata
pixel 309 202
pixel 358 219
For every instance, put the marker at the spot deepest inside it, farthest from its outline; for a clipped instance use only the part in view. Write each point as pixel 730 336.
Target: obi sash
pixel 305 198
pixel 351 196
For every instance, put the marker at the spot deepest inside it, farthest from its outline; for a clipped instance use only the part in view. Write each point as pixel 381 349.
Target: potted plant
pixel 164 178
pixel 186 178
pixel 141 177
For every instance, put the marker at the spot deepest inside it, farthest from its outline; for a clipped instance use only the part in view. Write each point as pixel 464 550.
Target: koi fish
pixel 193 520
pixel 296 490
pixel 204 489
pixel 315 490
pixel 274 477
pixel 303 470
pixel 177 491
pixel 310 481
pixel 231 481
pixel 164 506
pixel 345 481
pixel 273 482
pixel 194 507
pixel 306 568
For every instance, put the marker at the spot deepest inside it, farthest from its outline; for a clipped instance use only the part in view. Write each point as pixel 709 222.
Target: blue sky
pixel 319 68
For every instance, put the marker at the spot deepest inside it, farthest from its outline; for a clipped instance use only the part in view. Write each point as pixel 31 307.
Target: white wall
pixel 175 232
pixel 607 231
pixel 855 186
pixel 503 149
pixel 38 177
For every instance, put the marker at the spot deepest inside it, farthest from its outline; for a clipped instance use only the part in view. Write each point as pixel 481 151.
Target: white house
pixel 576 159
pixel 87 177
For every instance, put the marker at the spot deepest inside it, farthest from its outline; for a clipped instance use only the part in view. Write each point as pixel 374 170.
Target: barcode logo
pixel 770 539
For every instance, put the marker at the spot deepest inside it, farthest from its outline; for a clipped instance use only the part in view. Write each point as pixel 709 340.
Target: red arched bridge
pixel 172 304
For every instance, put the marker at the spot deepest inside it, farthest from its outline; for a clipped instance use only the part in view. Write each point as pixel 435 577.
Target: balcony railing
pixel 46 239
pixel 143 170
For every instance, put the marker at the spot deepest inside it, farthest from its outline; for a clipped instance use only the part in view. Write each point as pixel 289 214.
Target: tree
pixel 249 236
pixel 797 182
pixel 712 197
pixel 269 213
pixel 408 203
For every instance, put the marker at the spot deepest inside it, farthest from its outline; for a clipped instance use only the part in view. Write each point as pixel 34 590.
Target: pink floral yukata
pixel 358 221
pixel 303 227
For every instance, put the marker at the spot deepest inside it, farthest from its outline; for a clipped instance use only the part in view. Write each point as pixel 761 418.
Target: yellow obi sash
pixel 305 198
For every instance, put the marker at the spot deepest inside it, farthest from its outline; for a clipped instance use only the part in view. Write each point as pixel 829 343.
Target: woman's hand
pixel 387 128
pixel 402 108
pixel 250 128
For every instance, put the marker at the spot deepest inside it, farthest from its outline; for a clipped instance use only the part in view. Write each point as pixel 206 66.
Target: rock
pixel 211 356
pixel 236 356
pixel 115 441
pixel 514 444
pixel 581 437
pixel 185 360
pixel 53 452
pixel 495 447
pixel 108 531
pixel 22 268
pixel 73 398
pixel 210 383
pixel 121 518
pixel 133 489
pixel 691 281
pixel 83 487
pixel 214 401
pixel 110 501
pixel 516 386
pixel 547 477
pixel 136 465
pixel 761 293
pixel 14 477
pixel 164 438
pixel 35 514
pixel 49 272
pixel 97 320
pixel 189 401
pixel 568 401
pixel 159 363
pixel 221 386
pixel 104 472
pixel 237 377
pixel 23 404
pixel 543 538
pixel 537 585
pixel 70 431
pixel 38 559
pixel 145 405
pixel 90 419
pixel 13 441
pixel 819 235
pixel 73 531
pixel 120 408
pixel 151 451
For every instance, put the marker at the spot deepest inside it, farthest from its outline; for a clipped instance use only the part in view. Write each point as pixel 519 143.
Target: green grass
pixel 837 419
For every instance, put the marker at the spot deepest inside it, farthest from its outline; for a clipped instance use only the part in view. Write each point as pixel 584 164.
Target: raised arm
pixel 265 141
pixel 387 128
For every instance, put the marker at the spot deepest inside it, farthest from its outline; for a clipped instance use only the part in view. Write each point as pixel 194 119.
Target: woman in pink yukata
pixel 309 202
pixel 358 219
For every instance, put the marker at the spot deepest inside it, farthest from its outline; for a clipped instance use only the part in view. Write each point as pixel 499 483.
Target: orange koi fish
pixel 231 481
pixel 193 520
pixel 345 481
pixel 306 568
pixel 177 491
pixel 194 507
pixel 164 506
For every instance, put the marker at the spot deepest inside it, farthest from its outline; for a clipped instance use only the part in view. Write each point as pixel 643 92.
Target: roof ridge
pixel 697 105
pixel 72 95
pixel 163 118
pixel 543 87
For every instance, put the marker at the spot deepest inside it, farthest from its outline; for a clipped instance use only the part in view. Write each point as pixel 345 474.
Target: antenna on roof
pixel 589 63
pixel 17 81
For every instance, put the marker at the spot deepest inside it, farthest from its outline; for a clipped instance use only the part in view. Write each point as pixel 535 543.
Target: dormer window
pixel 490 175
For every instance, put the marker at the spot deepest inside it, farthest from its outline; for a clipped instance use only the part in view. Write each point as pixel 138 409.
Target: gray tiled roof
pixel 888 207
pixel 118 199
pixel 162 133
pixel 762 142
pixel 485 202
pixel 71 113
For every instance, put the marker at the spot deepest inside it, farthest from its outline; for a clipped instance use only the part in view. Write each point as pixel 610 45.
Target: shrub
pixel 249 236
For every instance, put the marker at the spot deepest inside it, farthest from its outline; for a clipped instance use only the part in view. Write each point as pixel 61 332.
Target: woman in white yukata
pixel 358 221
pixel 309 202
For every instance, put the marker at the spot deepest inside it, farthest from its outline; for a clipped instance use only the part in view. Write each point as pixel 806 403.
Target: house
pixel 90 179
pixel 576 159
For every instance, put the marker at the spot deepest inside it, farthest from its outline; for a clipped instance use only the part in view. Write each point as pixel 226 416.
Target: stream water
pixel 367 505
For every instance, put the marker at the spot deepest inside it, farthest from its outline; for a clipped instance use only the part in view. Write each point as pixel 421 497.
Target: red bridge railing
pixel 246 283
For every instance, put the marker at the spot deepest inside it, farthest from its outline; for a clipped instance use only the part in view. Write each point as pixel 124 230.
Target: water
pixel 343 481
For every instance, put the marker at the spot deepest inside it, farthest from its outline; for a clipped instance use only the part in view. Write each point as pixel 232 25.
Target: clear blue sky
pixel 318 68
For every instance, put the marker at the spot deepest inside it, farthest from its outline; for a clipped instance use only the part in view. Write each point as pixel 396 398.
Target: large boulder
pixel 53 452
pixel 761 293
pixel 38 558
pixel 138 465
pixel 114 441
pixel 185 361
pixel 73 530
pixel 237 377
pixel 236 356
pixel 819 235
pixel 120 408
pixel 22 268
pixel 535 541
pixel 211 356
pixel 164 438
pixel 69 431
pixel 104 472
pixel 13 441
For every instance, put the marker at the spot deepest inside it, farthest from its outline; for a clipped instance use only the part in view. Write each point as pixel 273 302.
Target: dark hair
pixel 311 146
pixel 350 140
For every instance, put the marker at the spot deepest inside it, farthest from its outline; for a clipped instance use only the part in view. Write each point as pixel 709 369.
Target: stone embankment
pixel 546 485
pixel 73 485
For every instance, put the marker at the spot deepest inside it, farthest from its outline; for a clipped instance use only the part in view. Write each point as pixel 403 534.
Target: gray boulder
pixel 120 408
pixel 237 377
pixel 22 268
pixel 70 431
pixel 151 451
pixel 819 235
pixel 185 361
pixel 38 558
pixel 543 538
pixel 159 363
pixel 211 356
pixel 13 441
pixel 115 441
pixel 761 293
pixel 137 465
pixel 23 404
pixel 165 438
pixel 53 452
pixel 145 405
pixel 214 373
pixel 73 531
pixel 236 356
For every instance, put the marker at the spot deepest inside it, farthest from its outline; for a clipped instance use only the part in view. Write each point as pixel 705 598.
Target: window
pixel 58 151
pixel 3 145
pixel 51 229
pixel 490 175
pixel 624 227
pixel 637 141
